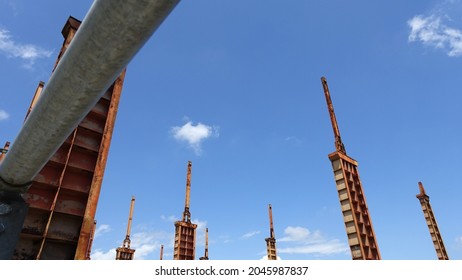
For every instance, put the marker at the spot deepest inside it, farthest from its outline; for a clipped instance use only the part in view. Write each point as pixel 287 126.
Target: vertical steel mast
pixel 271 241
pixel 360 233
pixel 431 223
pixel 206 250
pixel 185 230
pixel 125 252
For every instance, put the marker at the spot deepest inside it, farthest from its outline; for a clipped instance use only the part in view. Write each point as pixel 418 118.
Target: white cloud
pixel 101 229
pixel 98 254
pixel 4 115
pixel 170 218
pixel 250 234
pixel 27 52
pixel 194 135
pixel 432 32
pixel 301 240
pixel 145 244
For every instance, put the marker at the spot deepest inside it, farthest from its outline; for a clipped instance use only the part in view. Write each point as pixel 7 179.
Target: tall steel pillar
pixel 358 224
pixel 125 252
pixel 271 241
pixel 206 249
pixel 185 230
pixel 431 223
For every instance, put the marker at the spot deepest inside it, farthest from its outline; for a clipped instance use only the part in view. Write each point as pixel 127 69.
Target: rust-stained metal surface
pixel 185 230
pixel 271 241
pixel 90 243
pixel 432 224
pixel 125 252
pixel 64 195
pixel 358 223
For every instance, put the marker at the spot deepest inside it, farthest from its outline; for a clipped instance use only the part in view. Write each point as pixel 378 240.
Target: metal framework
pixel 271 241
pixel 358 224
pixel 125 252
pixel 63 196
pixel 185 230
pixel 110 36
pixel 431 223
pixel 206 250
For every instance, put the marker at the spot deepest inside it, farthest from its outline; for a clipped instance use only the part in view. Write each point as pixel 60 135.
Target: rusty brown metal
pixel 4 150
pixel 358 223
pixel 432 224
pixel 92 236
pixel 206 249
pixel 125 252
pixel 113 97
pixel 63 196
pixel 185 231
pixel 338 140
pixel 271 241
pixel 37 93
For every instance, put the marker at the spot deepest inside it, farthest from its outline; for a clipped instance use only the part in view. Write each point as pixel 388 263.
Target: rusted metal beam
pixel 109 37
pixel 358 223
pixel 338 140
pixel 271 241
pixel 432 224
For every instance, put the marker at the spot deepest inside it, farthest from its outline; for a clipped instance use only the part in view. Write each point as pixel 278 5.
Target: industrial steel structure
pixel 431 223
pixel 125 252
pixel 206 250
pixel 185 230
pixel 271 241
pixel 63 196
pixel 361 236
pixel 109 37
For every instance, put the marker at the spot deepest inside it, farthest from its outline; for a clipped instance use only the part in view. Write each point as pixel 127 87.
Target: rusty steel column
pixel 125 252
pixel 271 241
pixel 185 231
pixel 358 223
pixel 206 249
pixel 432 224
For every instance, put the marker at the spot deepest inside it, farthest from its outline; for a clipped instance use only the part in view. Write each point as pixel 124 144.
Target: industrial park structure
pixel 49 197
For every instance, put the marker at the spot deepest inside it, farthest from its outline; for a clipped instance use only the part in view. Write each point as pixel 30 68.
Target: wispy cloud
pixel 301 240
pixel 28 53
pixel 459 241
pixel 250 234
pixel 194 135
pixel 4 115
pixel 99 254
pixel 101 229
pixel 438 29
pixel 145 244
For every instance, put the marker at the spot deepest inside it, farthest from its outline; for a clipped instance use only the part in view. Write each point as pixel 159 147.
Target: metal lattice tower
pixel 431 223
pixel 125 252
pixel 358 224
pixel 271 241
pixel 185 230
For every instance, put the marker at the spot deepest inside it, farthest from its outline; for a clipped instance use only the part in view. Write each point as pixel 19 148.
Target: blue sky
pixel 234 86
